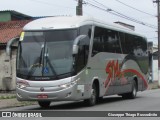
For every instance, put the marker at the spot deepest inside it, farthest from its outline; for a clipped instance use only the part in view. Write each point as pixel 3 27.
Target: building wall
pixel 7 71
pixel 2 67
pixel 13 62
pixel 5 16
pixel 155 70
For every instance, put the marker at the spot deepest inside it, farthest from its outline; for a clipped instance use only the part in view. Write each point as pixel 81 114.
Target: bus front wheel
pixel 92 100
pixel 44 104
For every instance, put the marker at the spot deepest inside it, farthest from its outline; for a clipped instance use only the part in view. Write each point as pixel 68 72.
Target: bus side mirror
pixel 77 42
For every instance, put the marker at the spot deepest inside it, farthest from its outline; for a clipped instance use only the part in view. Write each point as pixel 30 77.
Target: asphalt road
pixel 145 101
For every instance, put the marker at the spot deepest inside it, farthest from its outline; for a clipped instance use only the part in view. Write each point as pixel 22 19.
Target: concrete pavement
pixel 8 99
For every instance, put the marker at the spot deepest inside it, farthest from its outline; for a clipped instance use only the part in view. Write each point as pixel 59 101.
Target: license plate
pixel 42 96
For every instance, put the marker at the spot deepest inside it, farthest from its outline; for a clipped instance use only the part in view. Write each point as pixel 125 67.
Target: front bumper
pixel 67 94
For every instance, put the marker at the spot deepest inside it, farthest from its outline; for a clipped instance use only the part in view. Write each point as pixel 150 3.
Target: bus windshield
pixel 46 55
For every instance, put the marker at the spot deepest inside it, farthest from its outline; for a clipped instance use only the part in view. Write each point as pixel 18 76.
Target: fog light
pixel 68 95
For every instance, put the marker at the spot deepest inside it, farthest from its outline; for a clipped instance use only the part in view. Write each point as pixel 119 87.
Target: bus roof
pixel 70 22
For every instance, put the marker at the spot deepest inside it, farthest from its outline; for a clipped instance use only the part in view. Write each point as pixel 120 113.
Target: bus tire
pixel 93 99
pixel 133 93
pixel 44 104
pixel 100 99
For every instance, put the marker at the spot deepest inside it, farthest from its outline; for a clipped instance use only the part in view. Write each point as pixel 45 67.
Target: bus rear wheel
pixel 133 93
pixel 93 99
pixel 44 104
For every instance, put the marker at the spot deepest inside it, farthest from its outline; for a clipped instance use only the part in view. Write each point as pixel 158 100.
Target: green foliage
pixel 8 97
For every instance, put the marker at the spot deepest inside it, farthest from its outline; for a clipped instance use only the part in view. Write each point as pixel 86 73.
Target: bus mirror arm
pixel 76 43
pixel 75 49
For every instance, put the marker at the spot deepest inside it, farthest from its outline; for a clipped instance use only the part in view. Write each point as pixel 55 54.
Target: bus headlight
pixel 69 84
pixel 22 84
pixel 65 85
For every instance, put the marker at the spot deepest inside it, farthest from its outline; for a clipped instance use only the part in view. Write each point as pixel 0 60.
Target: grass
pixel 25 103
pixel 155 87
pixel 8 97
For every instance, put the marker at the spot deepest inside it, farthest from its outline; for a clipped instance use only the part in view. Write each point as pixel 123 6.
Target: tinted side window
pixel 144 44
pixel 140 46
pixel 140 42
pixel 86 30
pixel 123 43
pixel 128 44
pixel 111 41
pixel 132 44
pixel 98 40
pixel 105 40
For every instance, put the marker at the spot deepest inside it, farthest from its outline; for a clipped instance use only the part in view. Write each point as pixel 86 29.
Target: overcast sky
pixel 67 7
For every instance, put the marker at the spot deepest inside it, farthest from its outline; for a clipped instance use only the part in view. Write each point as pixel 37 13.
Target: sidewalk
pixel 153 85
pixel 6 103
pixel 8 99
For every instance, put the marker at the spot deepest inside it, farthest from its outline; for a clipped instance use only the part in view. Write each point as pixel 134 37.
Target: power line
pixel 124 16
pixel 111 11
pixel 101 5
pixel 153 38
pixel 136 8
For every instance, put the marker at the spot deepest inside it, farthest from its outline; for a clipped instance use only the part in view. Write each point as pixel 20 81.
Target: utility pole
pixel 79 8
pixel 158 18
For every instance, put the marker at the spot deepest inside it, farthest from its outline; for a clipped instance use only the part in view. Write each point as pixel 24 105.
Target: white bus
pixel 79 58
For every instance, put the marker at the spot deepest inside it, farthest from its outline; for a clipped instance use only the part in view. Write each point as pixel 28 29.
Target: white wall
pixel 2 67
pixel 155 70
pixel 7 83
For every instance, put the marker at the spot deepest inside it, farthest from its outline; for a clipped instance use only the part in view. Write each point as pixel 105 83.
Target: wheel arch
pixel 96 82
pixel 136 81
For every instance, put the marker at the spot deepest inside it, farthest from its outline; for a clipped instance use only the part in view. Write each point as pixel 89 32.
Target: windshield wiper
pixel 51 66
pixel 41 54
pixel 65 73
pixel 32 70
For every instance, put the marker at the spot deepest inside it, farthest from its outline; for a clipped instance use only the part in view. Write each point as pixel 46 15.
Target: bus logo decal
pixel 113 70
pixel 42 89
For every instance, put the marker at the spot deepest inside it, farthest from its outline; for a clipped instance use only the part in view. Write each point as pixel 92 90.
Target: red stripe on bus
pixel 109 78
pixel 138 74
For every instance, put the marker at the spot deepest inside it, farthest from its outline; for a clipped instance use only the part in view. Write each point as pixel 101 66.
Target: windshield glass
pixel 46 55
